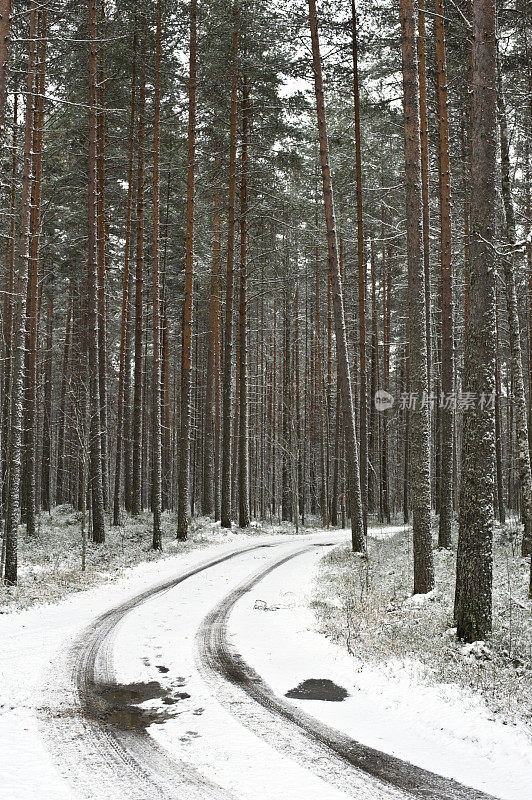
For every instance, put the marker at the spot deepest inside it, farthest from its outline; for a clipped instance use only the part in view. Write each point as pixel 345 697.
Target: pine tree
pixel 419 438
pixel 13 465
pixel 344 372
pixel 156 491
pixel 124 363
pixel 363 433
pixel 138 370
pixel 243 443
pixel 229 286
pixel 473 598
pixel 447 333
pixel 519 399
pixel 96 476
pixel 183 509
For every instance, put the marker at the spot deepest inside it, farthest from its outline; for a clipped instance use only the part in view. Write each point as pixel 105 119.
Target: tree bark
pixel 229 288
pixel 183 509
pixel 5 46
pixel 46 461
pixel 473 597
pixel 424 142
pixel 156 490
pixel 243 433
pixel 353 478
pixel 102 261
pixel 96 477
pixel 210 467
pixel 7 319
pixel 518 398
pixel 32 303
pixel 363 430
pixel 138 370
pixel 124 366
pixel 61 472
pixel 19 329
pixel 446 273
pixel 419 444
pixel 286 409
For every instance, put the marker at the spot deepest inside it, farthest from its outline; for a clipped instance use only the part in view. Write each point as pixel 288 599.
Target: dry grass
pixel 50 564
pixel 368 606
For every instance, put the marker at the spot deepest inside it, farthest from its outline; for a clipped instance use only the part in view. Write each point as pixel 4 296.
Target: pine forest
pixel 266 346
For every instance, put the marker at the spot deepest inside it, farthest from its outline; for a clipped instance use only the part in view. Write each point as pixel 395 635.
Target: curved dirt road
pixel 218 657
pixel 104 750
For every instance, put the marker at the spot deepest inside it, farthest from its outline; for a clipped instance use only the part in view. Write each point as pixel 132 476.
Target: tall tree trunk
pixel 273 420
pixel 363 432
pixel 322 424
pixel 229 288
pixel 102 261
pixel 528 234
pixel 498 435
pixel 243 435
pixel 210 467
pixel 519 397
pixel 183 509
pixel 124 370
pixel 344 372
pixel 138 372
pixel 61 472
pixel 387 289
pixel 286 409
pixel 46 462
pixel 96 477
pixel 424 142
pixel 374 443
pixel 473 598
pixel 32 304
pixel 447 333
pixel 7 319
pixel 5 46
pixel 419 444
pixel 236 423
pixel 156 489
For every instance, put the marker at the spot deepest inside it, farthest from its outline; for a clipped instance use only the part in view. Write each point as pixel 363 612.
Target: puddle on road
pixel 118 704
pixel 318 689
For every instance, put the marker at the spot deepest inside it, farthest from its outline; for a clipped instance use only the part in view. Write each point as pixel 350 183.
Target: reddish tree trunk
pixel 183 506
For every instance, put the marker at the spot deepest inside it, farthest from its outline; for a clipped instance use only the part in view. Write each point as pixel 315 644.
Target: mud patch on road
pixel 318 689
pixel 119 705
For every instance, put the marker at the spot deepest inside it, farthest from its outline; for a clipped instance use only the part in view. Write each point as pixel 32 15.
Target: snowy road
pixel 152 699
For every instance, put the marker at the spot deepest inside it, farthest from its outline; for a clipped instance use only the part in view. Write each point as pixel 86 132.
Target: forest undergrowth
pixel 51 561
pixel 367 605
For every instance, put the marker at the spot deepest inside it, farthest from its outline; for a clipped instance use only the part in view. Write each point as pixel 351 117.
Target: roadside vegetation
pixel 367 605
pixel 52 560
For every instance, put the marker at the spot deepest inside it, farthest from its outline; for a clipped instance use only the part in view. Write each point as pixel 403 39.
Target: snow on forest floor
pixel 411 690
pixel 369 608
pixel 35 639
pixel 50 564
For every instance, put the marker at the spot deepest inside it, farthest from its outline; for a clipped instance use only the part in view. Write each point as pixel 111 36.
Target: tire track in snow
pixel 385 775
pixel 98 759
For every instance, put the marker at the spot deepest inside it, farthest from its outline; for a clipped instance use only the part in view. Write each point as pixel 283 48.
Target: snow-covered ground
pixel 35 640
pixel 443 729
pixel 31 641
pixel 202 731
